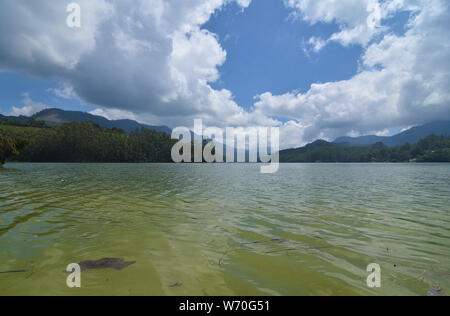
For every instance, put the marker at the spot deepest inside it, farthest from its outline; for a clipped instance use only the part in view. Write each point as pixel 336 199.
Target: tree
pixel 430 149
pixel 10 147
pixel 89 142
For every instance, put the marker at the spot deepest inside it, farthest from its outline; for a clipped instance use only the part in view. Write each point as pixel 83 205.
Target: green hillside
pixel 83 142
pixel 430 149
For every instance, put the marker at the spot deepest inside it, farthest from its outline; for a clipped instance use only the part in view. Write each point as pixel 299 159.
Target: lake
pixel 310 229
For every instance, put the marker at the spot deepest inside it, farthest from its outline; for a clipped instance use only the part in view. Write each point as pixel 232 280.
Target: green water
pixel 208 228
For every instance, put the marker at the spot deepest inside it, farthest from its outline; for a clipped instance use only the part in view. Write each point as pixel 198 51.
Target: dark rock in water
pixel 435 291
pixel 178 284
pixel 106 263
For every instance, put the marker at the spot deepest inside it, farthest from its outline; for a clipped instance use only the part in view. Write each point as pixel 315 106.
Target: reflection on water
pixel 225 229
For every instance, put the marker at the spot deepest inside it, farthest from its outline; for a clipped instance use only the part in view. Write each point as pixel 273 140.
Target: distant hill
pixel 319 143
pixel 430 149
pixel 83 142
pixel 20 118
pixel 411 136
pixel 54 117
pixel 298 154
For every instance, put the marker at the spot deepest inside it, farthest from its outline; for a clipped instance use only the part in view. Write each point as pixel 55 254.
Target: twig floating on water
pixel 264 241
pixel 16 271
pixel 299 248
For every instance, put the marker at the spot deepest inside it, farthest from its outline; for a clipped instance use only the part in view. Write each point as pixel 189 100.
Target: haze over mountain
pixel 54 117
pixel 18 118
pixel 411 136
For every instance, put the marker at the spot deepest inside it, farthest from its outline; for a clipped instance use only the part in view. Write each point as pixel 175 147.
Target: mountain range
pixel 54 117
pixel 411 136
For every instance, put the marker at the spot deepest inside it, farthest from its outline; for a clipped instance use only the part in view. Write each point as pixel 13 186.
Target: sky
pixel 314 68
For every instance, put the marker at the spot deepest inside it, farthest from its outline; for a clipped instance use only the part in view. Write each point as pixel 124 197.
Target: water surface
pixel 310 229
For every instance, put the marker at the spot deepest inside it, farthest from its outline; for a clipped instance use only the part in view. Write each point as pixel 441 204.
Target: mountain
pixel 411 136
pixel 54 117
pixel 20 118
pixel 319 143
pixel 430 149
pixel 292 155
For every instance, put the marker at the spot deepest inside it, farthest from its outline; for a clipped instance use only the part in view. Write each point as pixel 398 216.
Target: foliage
pixel 10 147
pixel 89 142
pixel 431 149
pixel 25 122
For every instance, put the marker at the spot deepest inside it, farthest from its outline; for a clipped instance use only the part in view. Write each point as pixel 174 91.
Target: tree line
pixel 431 149
pixel 33 141
pixel 86 142
pixel 10 147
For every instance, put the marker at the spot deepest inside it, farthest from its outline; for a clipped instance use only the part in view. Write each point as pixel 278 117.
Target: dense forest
pixel 10 147
pixel 32 141
pixel 82 142
pixel 431 149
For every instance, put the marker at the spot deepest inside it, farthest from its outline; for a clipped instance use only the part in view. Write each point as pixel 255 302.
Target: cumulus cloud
pixel 314 44
pixel 148 57
pixel 34 40
pixel 29 108
pixel 359 20
pixel 63 92
pixel 404 80
pixel 152 61
pixel 115 114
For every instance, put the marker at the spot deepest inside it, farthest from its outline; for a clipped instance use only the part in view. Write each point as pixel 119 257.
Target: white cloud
pixel 149 57
pixel 115 114
pixel 64 92
pixel 357 19
pixel 405 80
pixel 244 3
pixel 35 38
pixel 382 133
pixel 314 44
pixel 151 60
pixel 29 108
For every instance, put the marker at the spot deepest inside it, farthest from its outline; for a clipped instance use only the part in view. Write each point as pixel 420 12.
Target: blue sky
pixel 265 53
pixel 317 68
pixel 16 85
pixel 264 46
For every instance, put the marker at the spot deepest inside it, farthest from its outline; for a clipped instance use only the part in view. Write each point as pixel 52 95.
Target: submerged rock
pixel 435 291
pixel 106 263
pixel 178 284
